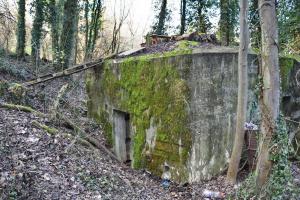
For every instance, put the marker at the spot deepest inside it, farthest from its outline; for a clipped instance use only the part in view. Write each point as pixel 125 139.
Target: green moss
pixel 3 87
pixel 17 90
pixel 94 104
pixel 48 129
pixel 148 89
pixel 291 56
pixel 107 127
pixel 182 49
pixel 255 50
pixel 185 44
pixel 286 65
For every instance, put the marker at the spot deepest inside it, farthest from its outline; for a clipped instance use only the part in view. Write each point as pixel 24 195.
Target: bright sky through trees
pixel 141 16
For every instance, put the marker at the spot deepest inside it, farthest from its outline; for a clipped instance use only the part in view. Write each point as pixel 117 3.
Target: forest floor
pixel 37 165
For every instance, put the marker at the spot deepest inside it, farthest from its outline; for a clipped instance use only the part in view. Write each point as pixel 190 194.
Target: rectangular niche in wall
pixel 121 135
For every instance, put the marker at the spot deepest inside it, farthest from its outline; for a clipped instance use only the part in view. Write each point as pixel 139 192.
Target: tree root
pixel 97 144
pixel 22 108
pixel 48 129
pixel 78 140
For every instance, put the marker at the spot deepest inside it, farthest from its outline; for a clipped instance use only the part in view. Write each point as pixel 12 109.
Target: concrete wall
pixel 182 108
pixel 212 110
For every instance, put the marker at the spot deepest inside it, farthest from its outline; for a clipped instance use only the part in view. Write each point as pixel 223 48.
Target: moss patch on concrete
pixel 148 88
pixel 183 48
pixel 286 65
pixel 95 103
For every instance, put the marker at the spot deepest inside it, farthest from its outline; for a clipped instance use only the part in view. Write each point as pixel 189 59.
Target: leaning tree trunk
pixel 242 94
pixel 21 32
pixel 271 87
pixel 92 27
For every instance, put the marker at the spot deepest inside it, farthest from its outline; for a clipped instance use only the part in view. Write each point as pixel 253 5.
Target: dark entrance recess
pixel 122 137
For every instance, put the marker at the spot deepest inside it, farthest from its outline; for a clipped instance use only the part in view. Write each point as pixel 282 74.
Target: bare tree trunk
pixel 271 86
pixel 116 34
pixel 224 22
pixel 86 17
pixel 37 31
pixel 182 17
pixel 242 94
pixel 162 18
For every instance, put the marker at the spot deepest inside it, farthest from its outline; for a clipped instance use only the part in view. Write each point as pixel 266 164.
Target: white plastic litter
pixel 250 126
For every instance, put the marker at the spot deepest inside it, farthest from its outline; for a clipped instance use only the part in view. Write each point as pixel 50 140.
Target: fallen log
pixel 48 129
pixel 97 144
pixel 81 133
pixel 53 131
pixel 22 108
pixel 77 140
pixel 67 72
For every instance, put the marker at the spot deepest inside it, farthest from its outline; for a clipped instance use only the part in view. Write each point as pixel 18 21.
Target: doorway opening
pixel 122 136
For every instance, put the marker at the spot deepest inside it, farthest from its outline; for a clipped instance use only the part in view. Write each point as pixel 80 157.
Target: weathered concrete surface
pixel 213 84
pixel 182 108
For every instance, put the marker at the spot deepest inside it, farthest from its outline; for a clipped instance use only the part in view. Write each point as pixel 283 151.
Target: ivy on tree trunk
pixel 182 17
pixel 269 102
pixel 228 20
pixel 68 32
pixel 162 18
pixel 21 32
pixel 36 33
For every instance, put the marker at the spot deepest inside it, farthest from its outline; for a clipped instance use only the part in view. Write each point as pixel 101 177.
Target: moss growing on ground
pixel 4 85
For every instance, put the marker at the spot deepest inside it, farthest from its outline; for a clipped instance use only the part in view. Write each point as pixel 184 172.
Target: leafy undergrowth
pixel 283 182
pixel 36 165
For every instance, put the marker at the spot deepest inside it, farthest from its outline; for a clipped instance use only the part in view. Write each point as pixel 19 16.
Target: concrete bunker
pixel 179 107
